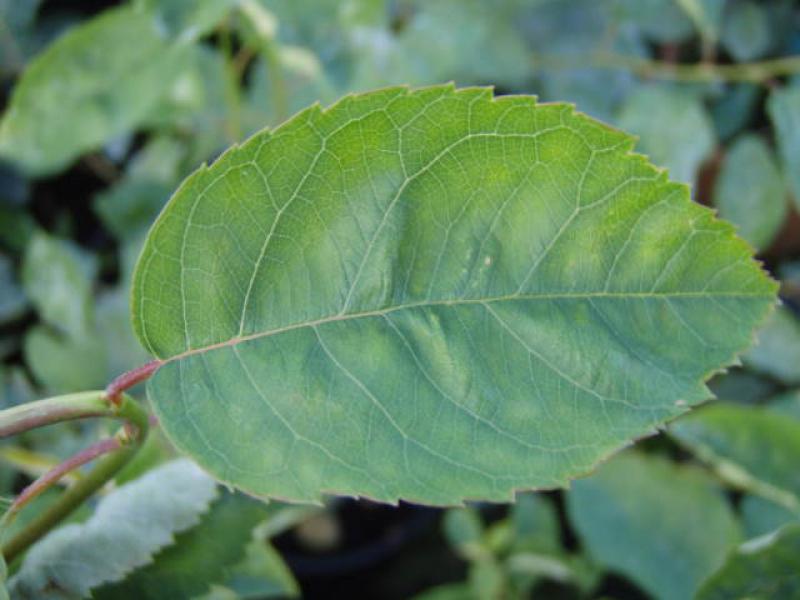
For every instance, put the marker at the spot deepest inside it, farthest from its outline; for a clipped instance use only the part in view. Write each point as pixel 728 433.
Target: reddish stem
pixel 130 379
pixel 57 472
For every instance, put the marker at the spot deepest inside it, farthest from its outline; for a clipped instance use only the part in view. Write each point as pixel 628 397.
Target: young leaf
pixel 433 295
pixel 767 567
pixel 128 527
pixel 106 75
pixel 667 527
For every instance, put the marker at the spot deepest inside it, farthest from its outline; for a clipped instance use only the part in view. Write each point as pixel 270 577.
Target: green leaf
pixel 199 558
pixel 747 31
pixel 675 130
pixel 463 529
pixel 433 295
pixel 760 516
pixel 777 351
pixel 752 448
pixel 62 364
pixel 665 526
pixel 750 191
pixel 783 107
pixel 128 527
pixel 786 404
pixel 3 576
pixel 105 75
pixel 767 568
pixel 662 21
pixel 535 524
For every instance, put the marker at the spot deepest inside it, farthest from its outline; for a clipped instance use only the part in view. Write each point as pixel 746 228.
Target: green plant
pixel 435 294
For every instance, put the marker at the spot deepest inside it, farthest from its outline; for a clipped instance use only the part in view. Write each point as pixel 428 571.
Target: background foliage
pixel 108 106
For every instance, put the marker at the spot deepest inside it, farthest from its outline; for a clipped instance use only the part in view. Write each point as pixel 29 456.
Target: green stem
pixel 117 450
pixel 55 410
pixel 753 72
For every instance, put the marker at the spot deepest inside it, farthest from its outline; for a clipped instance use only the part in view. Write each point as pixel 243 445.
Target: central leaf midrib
pixel 461 302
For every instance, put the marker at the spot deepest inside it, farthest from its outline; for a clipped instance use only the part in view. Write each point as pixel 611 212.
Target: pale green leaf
pixel 777 351
pixel 128 527
pixel 783 107
pixel 433 295
pixel 750 191
pixel 752 448
pixel 535 524
pixel 3 575
pixel 665 526
pixel 747 31
pixel 97 81
pixel 675 130
pixel 200 557
pixel 662 21
pixel 58 278
pixel 765 568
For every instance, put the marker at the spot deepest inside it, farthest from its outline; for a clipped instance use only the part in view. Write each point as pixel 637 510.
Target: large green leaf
pixel 97 81
pixel 128 527
pixel 665 526
pixel 753 448
pixel 433 295
pixel 766 568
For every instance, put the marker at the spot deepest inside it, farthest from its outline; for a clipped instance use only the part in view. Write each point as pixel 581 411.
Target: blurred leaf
pixel 12 299
pixel 468 41
pixel 128 527
pixel 3 576
pixel 765 568
pixel 262 574
pixel 58 278
pixel 448 591
pixel 16 228
pixel 17 390
pixel 187 19
pixel 734 110
pixel 105 75
pixel 675 130
pixel 534 521
pixel 750 191
pixel 16 24
pixel 787 404
pixel 752 448
pixel 661 21
pixel 760 516
pixel 742 385
pixel 777 350
pixel 746 33
pixel 463 529
pixel 665 526
pixel 783 106
pixel 115 335
pixel 706 15
pixel 199 558
pixel 64 364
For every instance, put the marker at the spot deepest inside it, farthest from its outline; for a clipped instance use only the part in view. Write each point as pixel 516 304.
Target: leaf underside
pixel 433 295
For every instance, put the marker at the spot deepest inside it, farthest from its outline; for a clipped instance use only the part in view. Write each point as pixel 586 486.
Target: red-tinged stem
pixel 57 472
pixel 130 379
pixel 117 450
